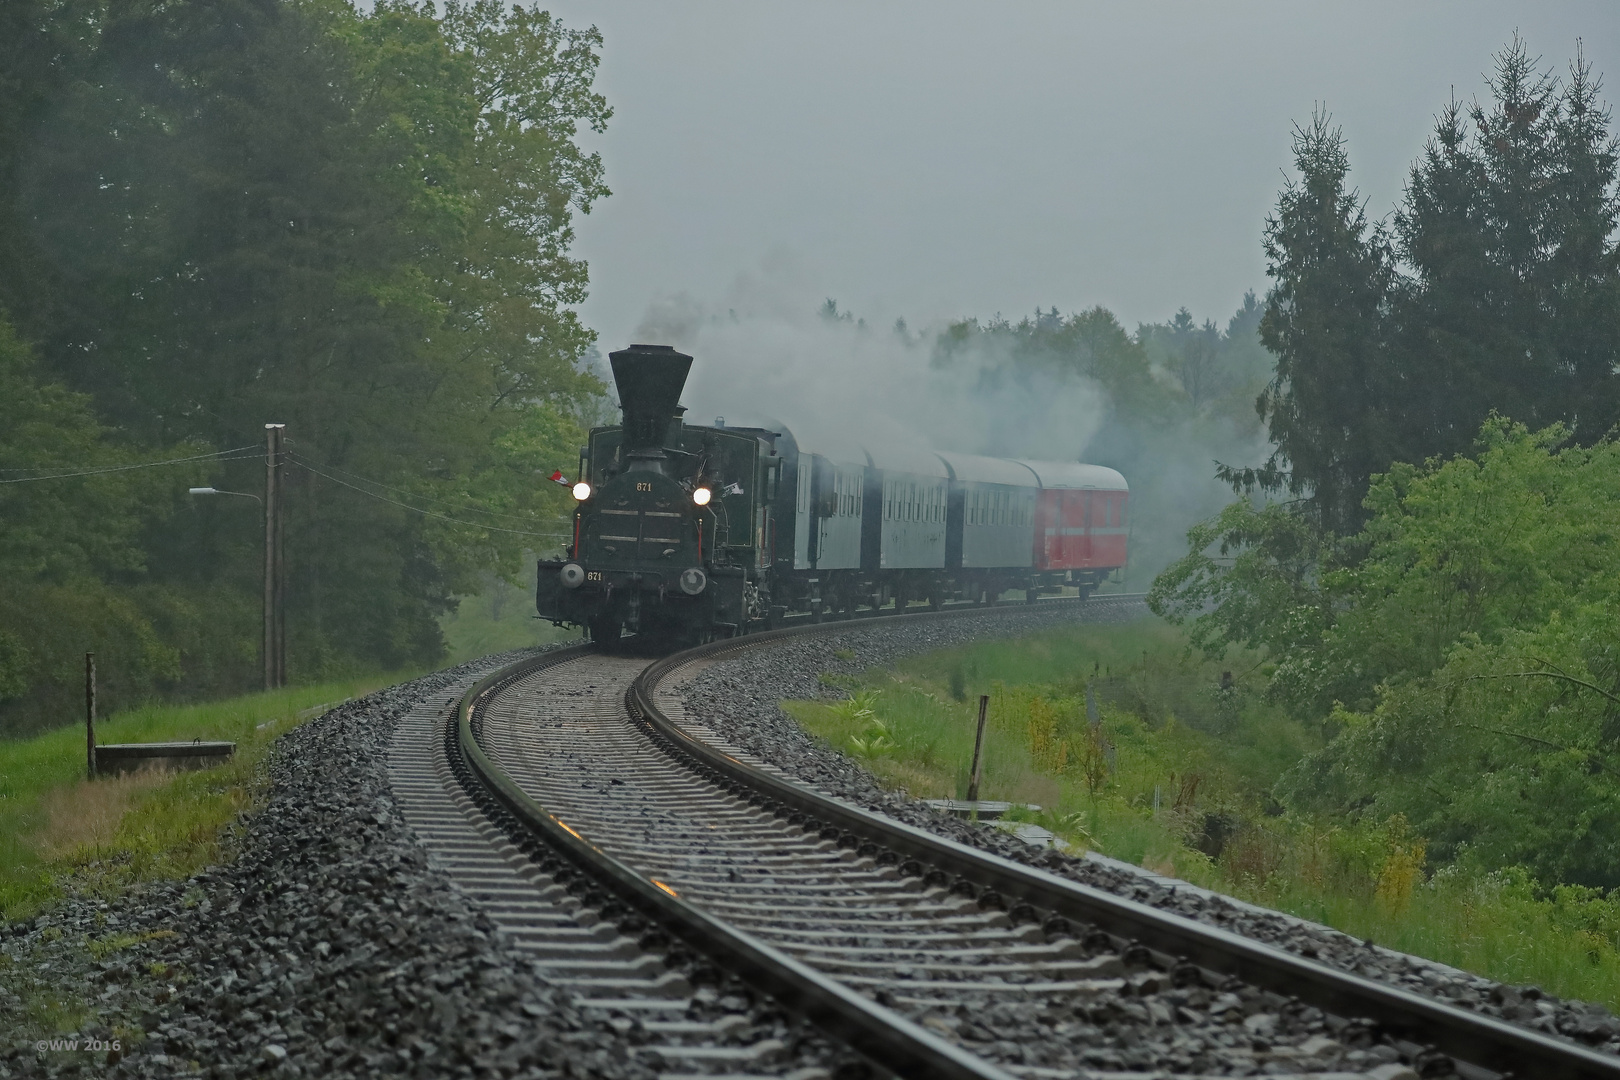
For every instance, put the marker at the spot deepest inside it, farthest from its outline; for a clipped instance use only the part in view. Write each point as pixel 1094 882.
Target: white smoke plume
pixel 766 351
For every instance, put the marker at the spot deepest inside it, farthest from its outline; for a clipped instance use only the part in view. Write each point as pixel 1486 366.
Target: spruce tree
pixel 1509 302
pixel 1328 407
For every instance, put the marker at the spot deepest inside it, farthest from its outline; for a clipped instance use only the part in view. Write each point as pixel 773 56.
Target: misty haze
pixel 831 541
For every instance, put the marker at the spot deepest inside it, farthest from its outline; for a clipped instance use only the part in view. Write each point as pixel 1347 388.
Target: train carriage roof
pixel 1074 475
pixel 973 469
pixel 822 442
pixel 900 457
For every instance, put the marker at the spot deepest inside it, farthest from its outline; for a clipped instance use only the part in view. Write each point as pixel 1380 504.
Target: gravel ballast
pixel 326 947
pixel 738 698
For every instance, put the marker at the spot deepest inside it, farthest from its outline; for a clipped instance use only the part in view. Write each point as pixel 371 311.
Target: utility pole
pixel 275 626
pixel 281 559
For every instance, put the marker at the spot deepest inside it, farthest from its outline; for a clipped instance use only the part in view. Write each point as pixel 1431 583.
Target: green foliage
pixel 356 223
pixel 857 708
pixel 1496 291
pixel 72 552
pixel 1448 621
pixel 1466 659
pixel 1253 578
pixel 1217 370
pixel 1505 756
pixel 1175 769
pixel 60 529
pixel 874 742
pixel 857 712
pixel 1479 546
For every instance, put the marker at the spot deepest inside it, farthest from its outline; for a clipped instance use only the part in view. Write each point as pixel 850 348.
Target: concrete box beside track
pixel 115 759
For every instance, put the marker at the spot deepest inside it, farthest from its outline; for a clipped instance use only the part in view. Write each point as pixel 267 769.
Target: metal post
pixel 978 750
pixel 90 714
pixel 273 665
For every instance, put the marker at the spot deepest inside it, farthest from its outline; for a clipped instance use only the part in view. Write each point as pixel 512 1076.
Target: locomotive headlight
pixel 572 575
pixel 693 580
pixel 582 491
pixel 702 495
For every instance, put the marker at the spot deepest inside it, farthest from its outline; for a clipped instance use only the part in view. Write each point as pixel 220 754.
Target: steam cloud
pixel 765 353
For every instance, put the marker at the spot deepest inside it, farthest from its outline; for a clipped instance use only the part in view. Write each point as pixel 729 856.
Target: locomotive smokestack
pixel 650 379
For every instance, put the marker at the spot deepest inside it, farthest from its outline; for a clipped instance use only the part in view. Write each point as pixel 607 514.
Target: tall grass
pixel 58 827
pixel 1175 776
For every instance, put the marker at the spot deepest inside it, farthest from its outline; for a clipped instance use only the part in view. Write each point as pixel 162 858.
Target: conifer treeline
pixel 1495 286
pixel 1434 587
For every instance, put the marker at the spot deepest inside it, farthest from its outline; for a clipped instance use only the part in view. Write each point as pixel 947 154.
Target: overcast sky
pixel 935 160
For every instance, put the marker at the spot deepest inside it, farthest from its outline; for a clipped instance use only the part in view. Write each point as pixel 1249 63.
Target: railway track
pixel 648 866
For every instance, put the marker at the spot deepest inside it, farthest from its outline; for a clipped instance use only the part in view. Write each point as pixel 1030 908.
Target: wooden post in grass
pixel 90 714
pixel 978 750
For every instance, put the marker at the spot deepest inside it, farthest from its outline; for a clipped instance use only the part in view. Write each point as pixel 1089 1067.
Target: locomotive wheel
pixel 604 629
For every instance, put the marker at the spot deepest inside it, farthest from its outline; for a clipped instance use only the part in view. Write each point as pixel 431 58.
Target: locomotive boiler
pixel 689 532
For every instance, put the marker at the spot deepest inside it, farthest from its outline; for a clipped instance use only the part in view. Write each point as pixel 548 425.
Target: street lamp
pixel 218 491
pixel 275 625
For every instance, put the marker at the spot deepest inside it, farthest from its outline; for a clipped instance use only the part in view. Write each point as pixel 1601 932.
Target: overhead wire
pixel 457 504
pixel 428 513
pixel 240 453
pixel 101 469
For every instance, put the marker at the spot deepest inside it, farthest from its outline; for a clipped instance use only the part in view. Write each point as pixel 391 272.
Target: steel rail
pixel 887 1039
pixel 1494 1045
pixel 801 620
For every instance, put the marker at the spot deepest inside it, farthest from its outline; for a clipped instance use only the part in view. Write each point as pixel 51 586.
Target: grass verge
pixel 60 831
pixel 1133 747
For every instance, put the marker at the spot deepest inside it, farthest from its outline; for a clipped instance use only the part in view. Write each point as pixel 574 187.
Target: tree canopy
pixel 1427 559
pixel 1496 287
pixel 223 213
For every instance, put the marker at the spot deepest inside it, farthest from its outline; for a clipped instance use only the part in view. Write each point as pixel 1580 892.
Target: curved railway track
pixel 641 860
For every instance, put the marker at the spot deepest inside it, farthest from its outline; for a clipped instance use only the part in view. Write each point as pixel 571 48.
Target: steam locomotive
pixel 688 533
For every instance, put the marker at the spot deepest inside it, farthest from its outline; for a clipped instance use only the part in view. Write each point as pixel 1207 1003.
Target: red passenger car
pixel 1079 517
